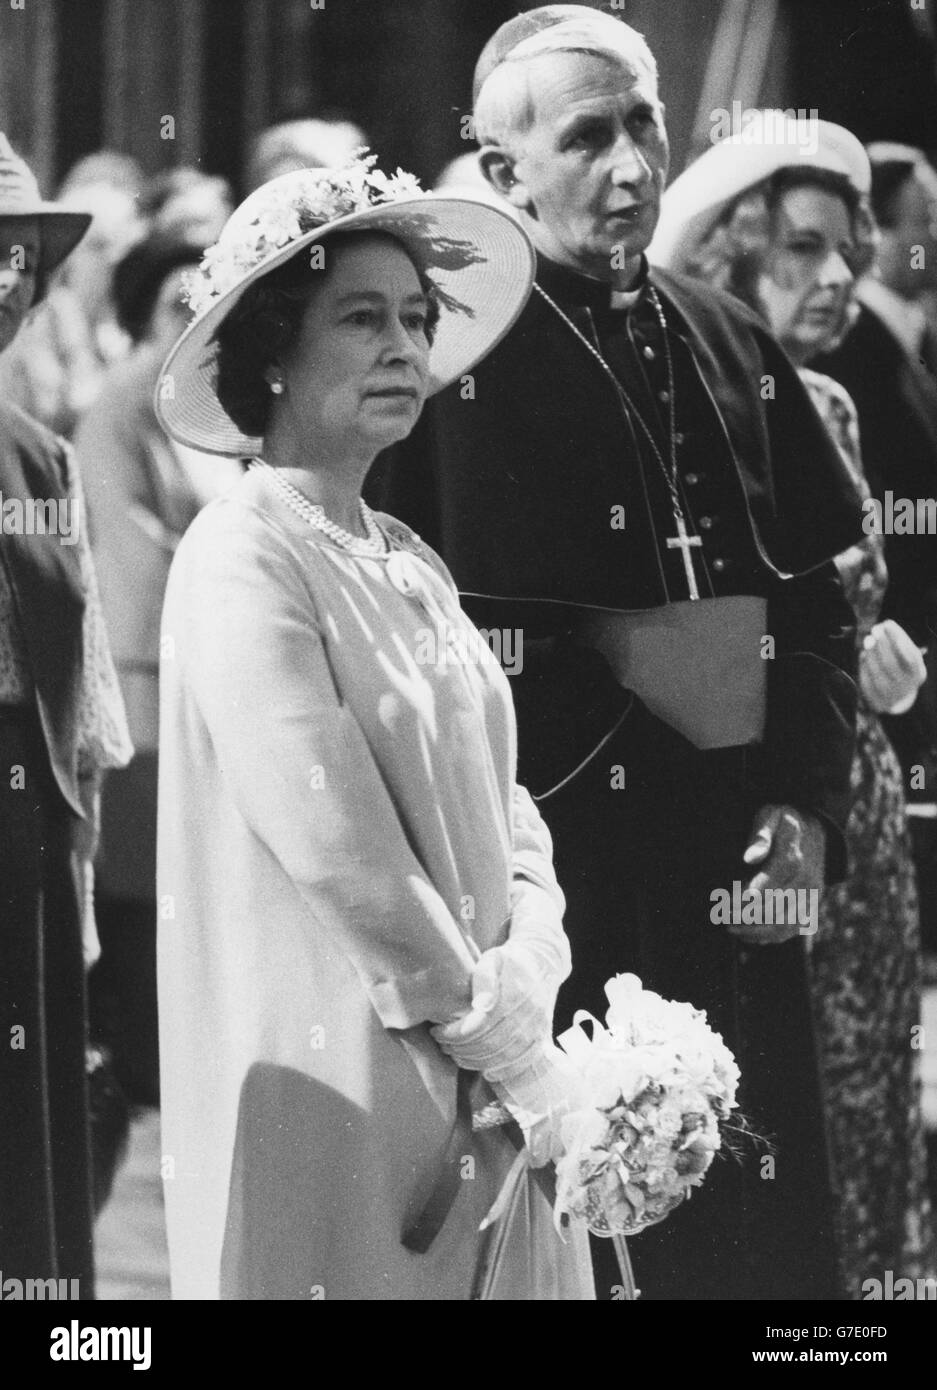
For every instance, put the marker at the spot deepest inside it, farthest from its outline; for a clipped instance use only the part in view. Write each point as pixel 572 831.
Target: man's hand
pixel 789 849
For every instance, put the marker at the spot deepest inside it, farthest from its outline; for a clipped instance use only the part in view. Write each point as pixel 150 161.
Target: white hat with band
pixel 59 228
pixel 769 141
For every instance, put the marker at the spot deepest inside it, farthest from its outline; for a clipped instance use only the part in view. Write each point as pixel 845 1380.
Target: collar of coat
pixel 45 579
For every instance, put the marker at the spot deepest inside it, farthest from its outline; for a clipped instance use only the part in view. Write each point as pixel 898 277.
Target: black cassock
pixel 515 477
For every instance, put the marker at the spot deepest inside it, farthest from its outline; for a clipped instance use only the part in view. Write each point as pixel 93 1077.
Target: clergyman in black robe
pixel 658 730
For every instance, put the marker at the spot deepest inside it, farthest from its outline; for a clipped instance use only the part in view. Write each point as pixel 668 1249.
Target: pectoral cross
pixel 683 541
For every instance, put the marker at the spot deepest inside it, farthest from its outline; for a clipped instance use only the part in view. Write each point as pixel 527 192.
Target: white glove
pixel 539 1097
pixel 507 1034
pixel 891 669
pixel 514 989
pixel 510 1016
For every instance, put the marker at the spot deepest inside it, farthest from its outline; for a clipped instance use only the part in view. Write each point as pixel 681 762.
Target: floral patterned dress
pixel 866 967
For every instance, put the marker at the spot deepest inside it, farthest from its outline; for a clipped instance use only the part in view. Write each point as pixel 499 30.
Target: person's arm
pixel 84 847
pixel 811 706
pixel 103 736
pixel 537 901
pixel 536 942
pixel 302 775
pixel 507 1035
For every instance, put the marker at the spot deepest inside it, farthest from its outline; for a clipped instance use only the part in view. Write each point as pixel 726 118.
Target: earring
pixel 277 388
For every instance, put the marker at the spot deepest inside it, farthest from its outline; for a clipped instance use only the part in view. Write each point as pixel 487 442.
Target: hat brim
pixel 696 201
pixel 476 253
pixel 59 231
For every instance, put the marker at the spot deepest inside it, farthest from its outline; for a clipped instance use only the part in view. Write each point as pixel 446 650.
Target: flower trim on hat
pixel 312 199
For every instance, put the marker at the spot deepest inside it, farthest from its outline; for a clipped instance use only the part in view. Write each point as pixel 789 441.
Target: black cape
pixel 512 474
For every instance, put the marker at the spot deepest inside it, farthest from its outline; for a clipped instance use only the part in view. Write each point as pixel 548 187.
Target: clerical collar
pixel 571 287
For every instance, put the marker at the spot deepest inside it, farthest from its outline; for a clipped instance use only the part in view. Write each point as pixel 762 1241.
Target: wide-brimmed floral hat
pixel 480 260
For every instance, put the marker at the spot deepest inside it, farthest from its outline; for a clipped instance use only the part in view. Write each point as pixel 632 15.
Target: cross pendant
pixel 683 541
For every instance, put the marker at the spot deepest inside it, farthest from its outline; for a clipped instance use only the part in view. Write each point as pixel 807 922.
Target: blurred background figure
pixel 904 191
pixel 54 369
pixel 186 204
pixel 888 364
pixel 313 144
pixel 463 175
pixel 61 723
pixel 142 491
pixel 789 234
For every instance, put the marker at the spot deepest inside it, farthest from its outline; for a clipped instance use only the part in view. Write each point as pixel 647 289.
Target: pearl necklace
pixel 315 516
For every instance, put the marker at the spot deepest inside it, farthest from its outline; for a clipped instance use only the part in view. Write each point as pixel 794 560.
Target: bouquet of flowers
pixel 655 1086
pixel 648 1097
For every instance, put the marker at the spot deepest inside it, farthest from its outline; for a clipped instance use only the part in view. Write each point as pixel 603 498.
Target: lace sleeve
pixel 103 736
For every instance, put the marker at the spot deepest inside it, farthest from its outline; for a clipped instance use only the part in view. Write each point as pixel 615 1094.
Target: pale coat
pixel 340 833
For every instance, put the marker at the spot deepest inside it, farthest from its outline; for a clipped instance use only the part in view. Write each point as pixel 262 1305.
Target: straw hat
pixel 480 260
pixel 770 140
pixel 60 230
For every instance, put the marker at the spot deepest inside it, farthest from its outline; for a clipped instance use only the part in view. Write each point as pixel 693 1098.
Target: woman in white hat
pixel 777 215
pixel 61 723
pixel 355 895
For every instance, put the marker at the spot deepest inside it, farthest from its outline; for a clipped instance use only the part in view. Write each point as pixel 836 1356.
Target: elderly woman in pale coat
pixel 358 906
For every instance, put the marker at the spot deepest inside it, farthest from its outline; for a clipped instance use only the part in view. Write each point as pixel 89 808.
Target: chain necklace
pixel 315 516
pixel 683 541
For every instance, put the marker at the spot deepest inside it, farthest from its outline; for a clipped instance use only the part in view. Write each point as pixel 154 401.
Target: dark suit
pixel 46 582
pixel 45 1193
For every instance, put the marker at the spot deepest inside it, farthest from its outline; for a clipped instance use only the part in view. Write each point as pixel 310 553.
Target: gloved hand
pixel 507 1034
pixel 539 1096
pixel 511 1015
pixel 514 989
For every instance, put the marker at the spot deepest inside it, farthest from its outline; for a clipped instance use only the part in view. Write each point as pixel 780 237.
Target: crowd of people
pixel 318 898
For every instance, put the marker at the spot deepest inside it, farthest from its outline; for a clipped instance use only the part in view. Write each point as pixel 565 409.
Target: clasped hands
pixel 789 849
pixel 507 1035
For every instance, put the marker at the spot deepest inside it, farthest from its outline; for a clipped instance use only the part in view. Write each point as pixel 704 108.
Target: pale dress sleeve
pixel 303 777
pixel 537 900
